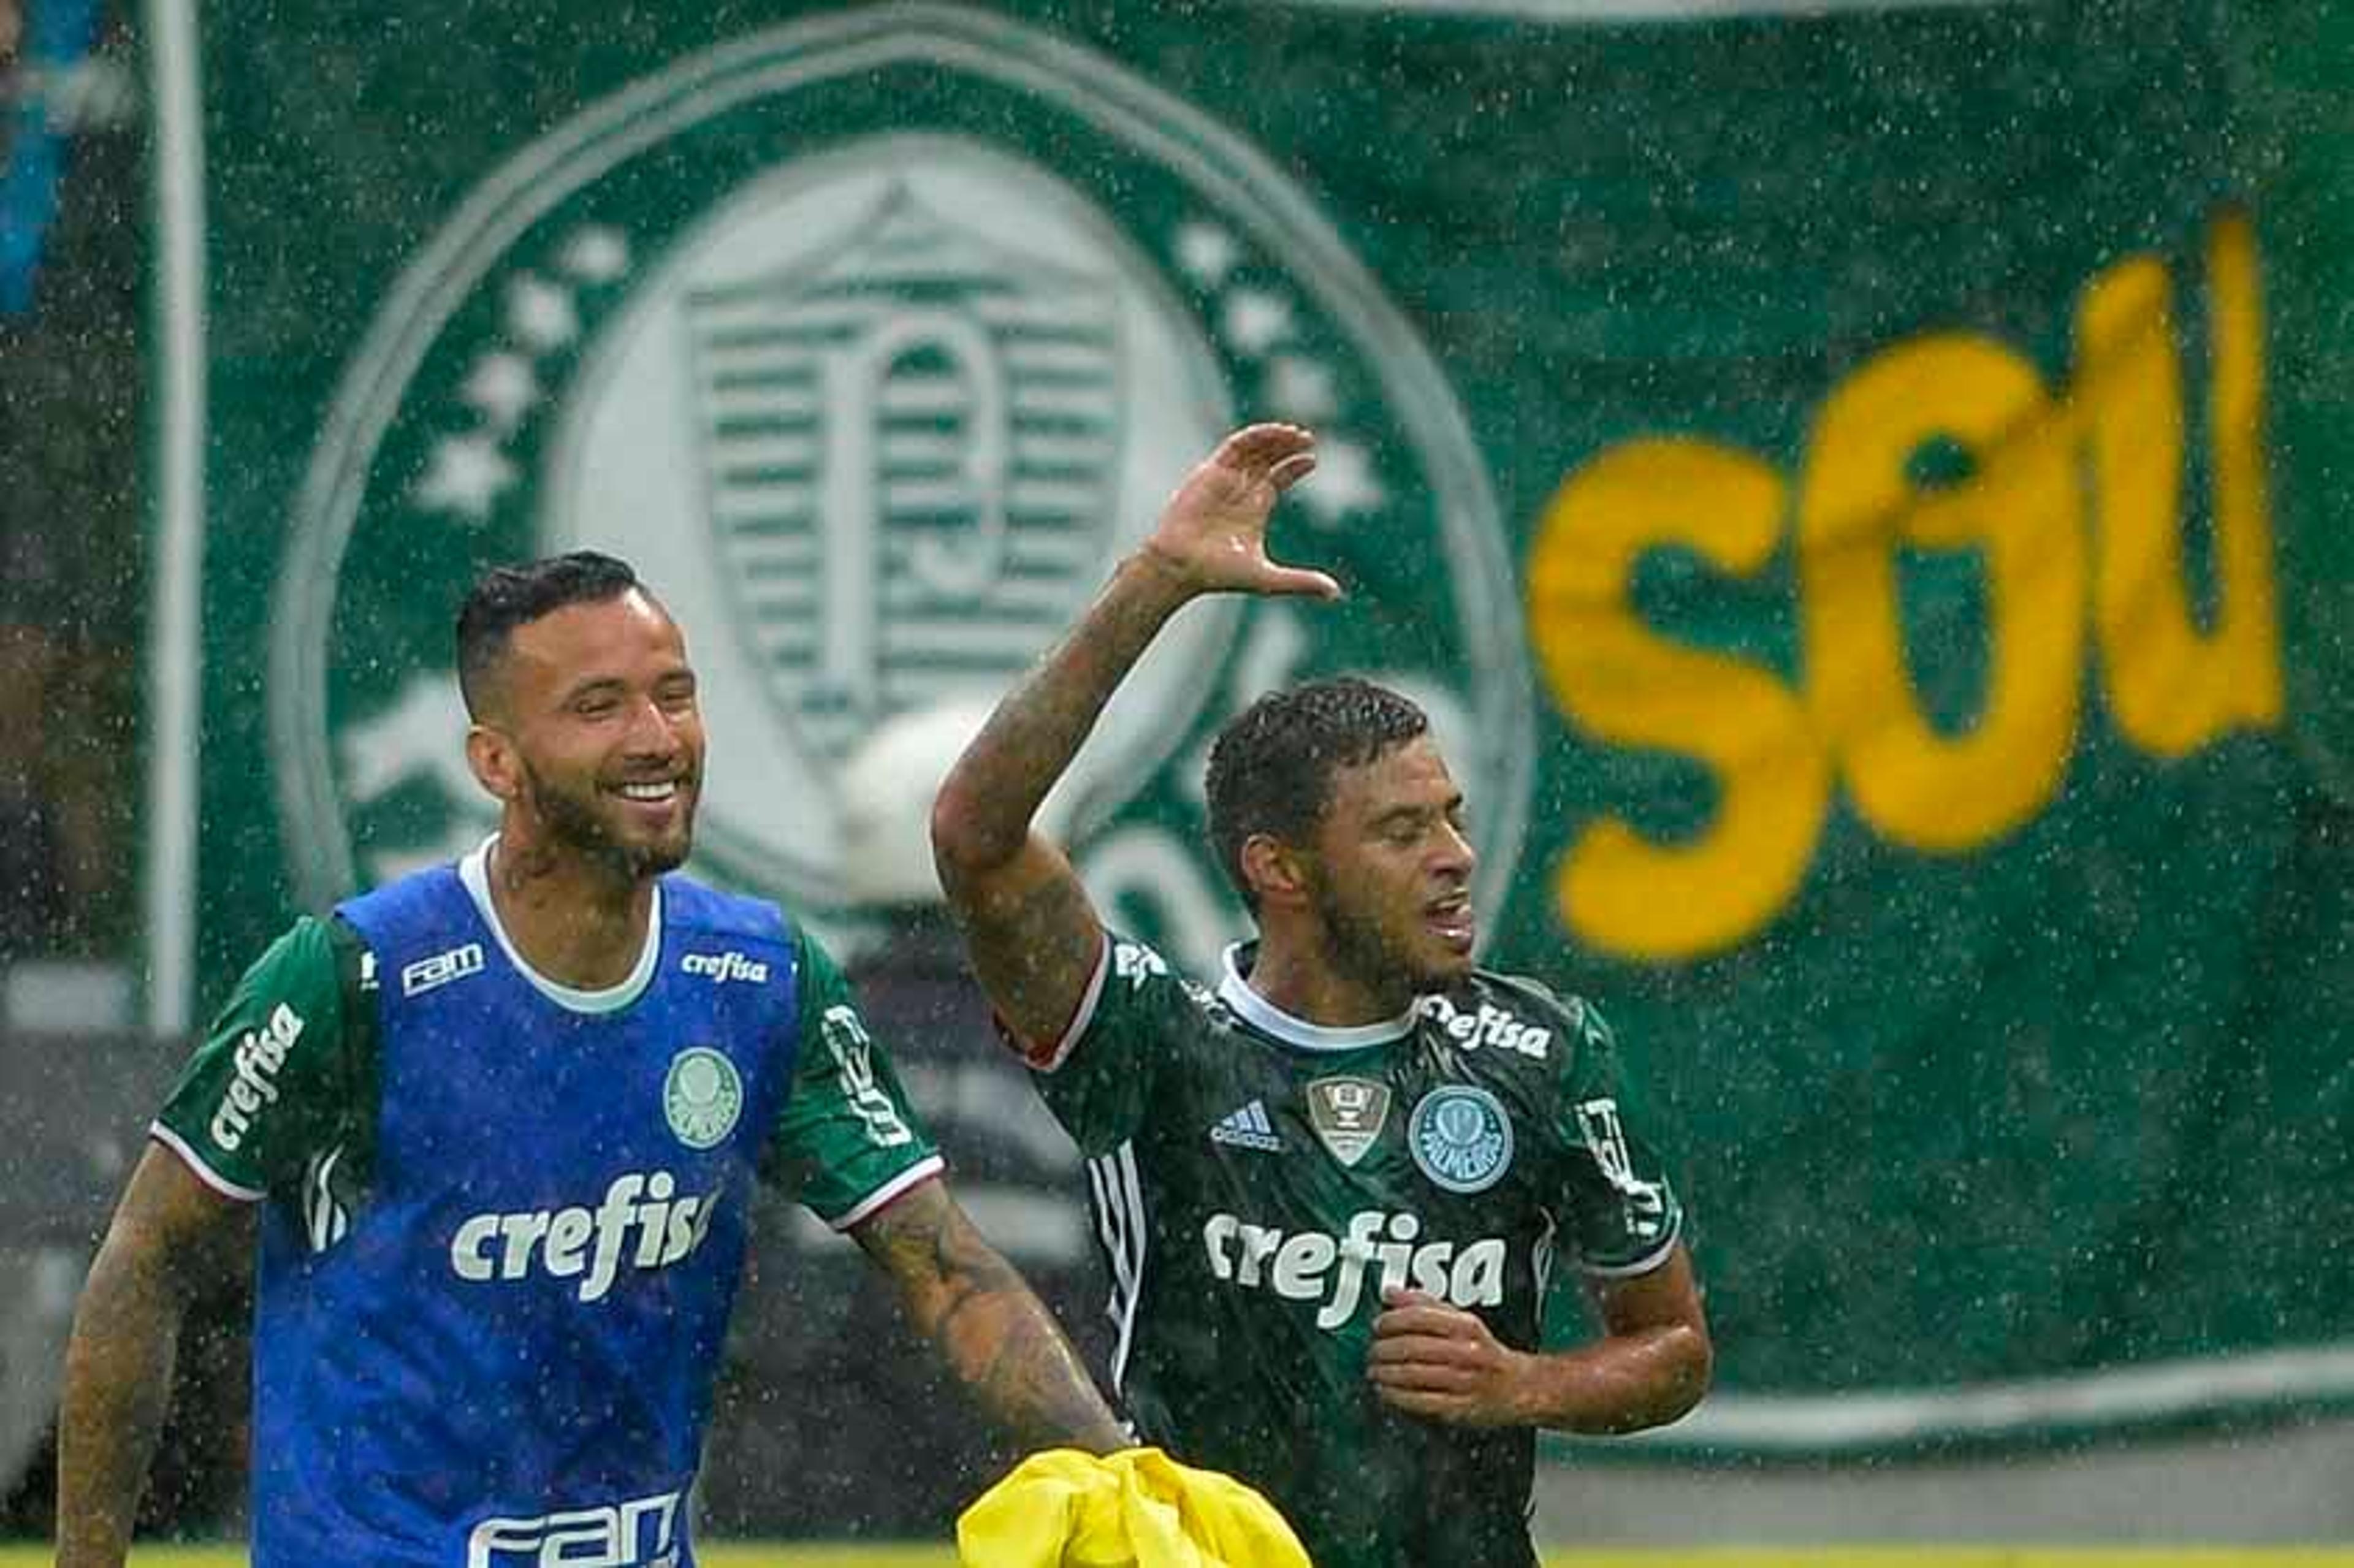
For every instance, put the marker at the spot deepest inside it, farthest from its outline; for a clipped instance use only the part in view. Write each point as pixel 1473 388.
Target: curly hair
pixel 1271 767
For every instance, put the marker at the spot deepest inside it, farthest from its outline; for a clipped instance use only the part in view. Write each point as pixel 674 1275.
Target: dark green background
pixel 2075 1101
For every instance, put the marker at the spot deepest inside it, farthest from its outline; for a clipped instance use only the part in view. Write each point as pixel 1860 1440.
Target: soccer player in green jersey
pixel 1329 1186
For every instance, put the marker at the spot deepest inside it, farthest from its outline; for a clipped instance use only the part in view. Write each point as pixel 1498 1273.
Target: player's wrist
pixel 1162 560
pixel 1535 1391
pixel 1158 578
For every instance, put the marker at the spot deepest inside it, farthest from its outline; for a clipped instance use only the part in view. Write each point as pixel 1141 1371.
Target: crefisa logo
pixel 874 341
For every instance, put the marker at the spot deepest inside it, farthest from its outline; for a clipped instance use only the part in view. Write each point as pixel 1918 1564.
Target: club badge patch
pixel 1460 1137
pixel 1348 1114
pixel 702 1096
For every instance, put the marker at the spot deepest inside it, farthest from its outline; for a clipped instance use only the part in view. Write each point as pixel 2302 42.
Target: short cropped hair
pixel 1271 767
pixel 506 598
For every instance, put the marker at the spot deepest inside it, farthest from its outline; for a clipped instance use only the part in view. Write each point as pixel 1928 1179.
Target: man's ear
pixel 497 765
pixel 1276 871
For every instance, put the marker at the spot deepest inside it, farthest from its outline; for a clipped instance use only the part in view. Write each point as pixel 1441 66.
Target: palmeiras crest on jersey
pixel 703 1096
pixel 1461 1138
pixel 875 341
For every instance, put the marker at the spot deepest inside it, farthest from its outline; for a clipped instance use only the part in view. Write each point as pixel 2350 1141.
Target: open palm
pixel 1214 529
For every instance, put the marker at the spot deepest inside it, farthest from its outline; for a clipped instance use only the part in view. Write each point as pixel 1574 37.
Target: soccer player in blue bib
pixel 1329 1184
pixel 498 1126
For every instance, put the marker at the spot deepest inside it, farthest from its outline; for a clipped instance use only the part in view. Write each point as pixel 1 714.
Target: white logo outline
pixel 441 969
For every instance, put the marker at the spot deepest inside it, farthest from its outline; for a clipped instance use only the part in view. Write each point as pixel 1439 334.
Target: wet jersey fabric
pixel 1259 1180
pixel 503 1220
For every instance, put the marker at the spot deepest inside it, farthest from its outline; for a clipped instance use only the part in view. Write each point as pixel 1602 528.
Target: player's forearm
pixel 1007 1349
pixel 118 1380
pixel 994 1332
pixel 1623 1384
pixel 986 803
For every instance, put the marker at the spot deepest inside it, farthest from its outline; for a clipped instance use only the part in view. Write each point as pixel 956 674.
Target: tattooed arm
pixel 997 1336
pixel 1033 934
pixel 170 1235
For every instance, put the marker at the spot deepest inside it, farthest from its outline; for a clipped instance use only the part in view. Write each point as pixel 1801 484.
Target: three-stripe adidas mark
pixel 1247 1128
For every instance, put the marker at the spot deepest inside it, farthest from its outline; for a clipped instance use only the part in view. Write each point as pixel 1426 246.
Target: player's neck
pixel 579 923
pixel 1294 971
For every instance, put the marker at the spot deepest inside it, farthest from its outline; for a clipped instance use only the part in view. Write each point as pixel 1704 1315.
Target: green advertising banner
pixel 1813 467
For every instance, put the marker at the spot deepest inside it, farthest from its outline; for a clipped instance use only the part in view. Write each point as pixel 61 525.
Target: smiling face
pixel 594 740
pixel 1389 875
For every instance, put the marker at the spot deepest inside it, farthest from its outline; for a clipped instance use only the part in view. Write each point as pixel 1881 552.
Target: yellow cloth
pixel 1135 1509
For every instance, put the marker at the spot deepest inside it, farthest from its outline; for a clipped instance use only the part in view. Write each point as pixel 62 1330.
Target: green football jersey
pixel 1259 1180
pixel 279 1101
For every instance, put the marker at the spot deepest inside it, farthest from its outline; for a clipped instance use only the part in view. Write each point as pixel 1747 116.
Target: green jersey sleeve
pixel 847 1141
pixel 1098 1079
pixel 1618 1210
pixel 267 1087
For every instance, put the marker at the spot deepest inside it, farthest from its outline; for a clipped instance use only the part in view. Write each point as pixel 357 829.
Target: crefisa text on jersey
pixel 721 967
pixel 1309 1266
pixel 1491 1026
pixel 259 1056
pixel 495 1245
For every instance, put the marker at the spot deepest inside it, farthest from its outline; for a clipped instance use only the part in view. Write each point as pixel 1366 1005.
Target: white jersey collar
pixel 1268 1019
pixel 474 871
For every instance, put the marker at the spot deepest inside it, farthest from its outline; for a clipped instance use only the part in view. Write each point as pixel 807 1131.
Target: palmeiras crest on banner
pixel 875 341
pixel 912 442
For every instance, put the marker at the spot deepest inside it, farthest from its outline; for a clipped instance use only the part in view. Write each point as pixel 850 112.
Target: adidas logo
pixel 1247 1128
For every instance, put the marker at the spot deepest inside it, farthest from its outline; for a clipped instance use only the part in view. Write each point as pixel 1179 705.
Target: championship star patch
pixel 1348 1115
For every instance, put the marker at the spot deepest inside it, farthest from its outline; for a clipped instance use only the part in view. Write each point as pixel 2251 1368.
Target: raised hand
pixel 1213 533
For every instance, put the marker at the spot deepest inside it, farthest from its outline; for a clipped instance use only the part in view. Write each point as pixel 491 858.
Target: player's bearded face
pixel 1391 875
pixel 612 765
pixel 581 815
